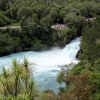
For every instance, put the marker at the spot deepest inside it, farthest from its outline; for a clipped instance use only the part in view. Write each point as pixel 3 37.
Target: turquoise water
pixel 47 63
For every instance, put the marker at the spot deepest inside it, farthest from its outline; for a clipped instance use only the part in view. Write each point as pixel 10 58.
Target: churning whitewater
pixel 47 63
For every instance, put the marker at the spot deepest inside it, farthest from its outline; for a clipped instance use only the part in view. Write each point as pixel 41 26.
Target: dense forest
pixel 35 18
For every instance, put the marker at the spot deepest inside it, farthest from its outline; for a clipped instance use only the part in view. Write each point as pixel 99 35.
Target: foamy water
pixel 48 63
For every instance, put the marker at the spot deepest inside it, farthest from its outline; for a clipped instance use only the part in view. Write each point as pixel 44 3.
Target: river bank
pixel 16 40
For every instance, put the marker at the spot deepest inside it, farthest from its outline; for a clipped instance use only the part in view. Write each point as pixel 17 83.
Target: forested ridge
pixel 36 18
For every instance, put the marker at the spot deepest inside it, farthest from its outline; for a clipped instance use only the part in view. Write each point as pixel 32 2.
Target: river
pixel 47 63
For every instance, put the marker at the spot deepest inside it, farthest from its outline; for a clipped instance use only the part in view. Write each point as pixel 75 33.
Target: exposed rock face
pixel 78 53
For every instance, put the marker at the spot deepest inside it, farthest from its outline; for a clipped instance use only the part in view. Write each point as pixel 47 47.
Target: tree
pixel 6 44
pixel 31 90
pixel 5 82
pixel 35 17
pixel 17 80
pixel 24 11
pixel 95 77
pixel 90 44
pixel 53 14
pixel 4 20
pixel 16 74
pixel 84 11
pixel 48 95
pixel 61 78
pixel 12 12
pixel 72 19
pixel 62 13
pixel 27 71
pixel 4 4
pixel 81 88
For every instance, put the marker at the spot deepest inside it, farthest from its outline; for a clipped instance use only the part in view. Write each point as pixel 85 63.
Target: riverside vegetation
pixel 36 18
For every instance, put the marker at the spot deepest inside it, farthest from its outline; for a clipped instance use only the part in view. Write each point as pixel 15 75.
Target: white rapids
pixel 47 63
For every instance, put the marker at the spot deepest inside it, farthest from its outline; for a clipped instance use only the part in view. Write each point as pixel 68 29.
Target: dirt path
pixel 12 27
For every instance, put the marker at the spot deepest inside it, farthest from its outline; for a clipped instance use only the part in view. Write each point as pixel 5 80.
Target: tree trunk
pixel 16 86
